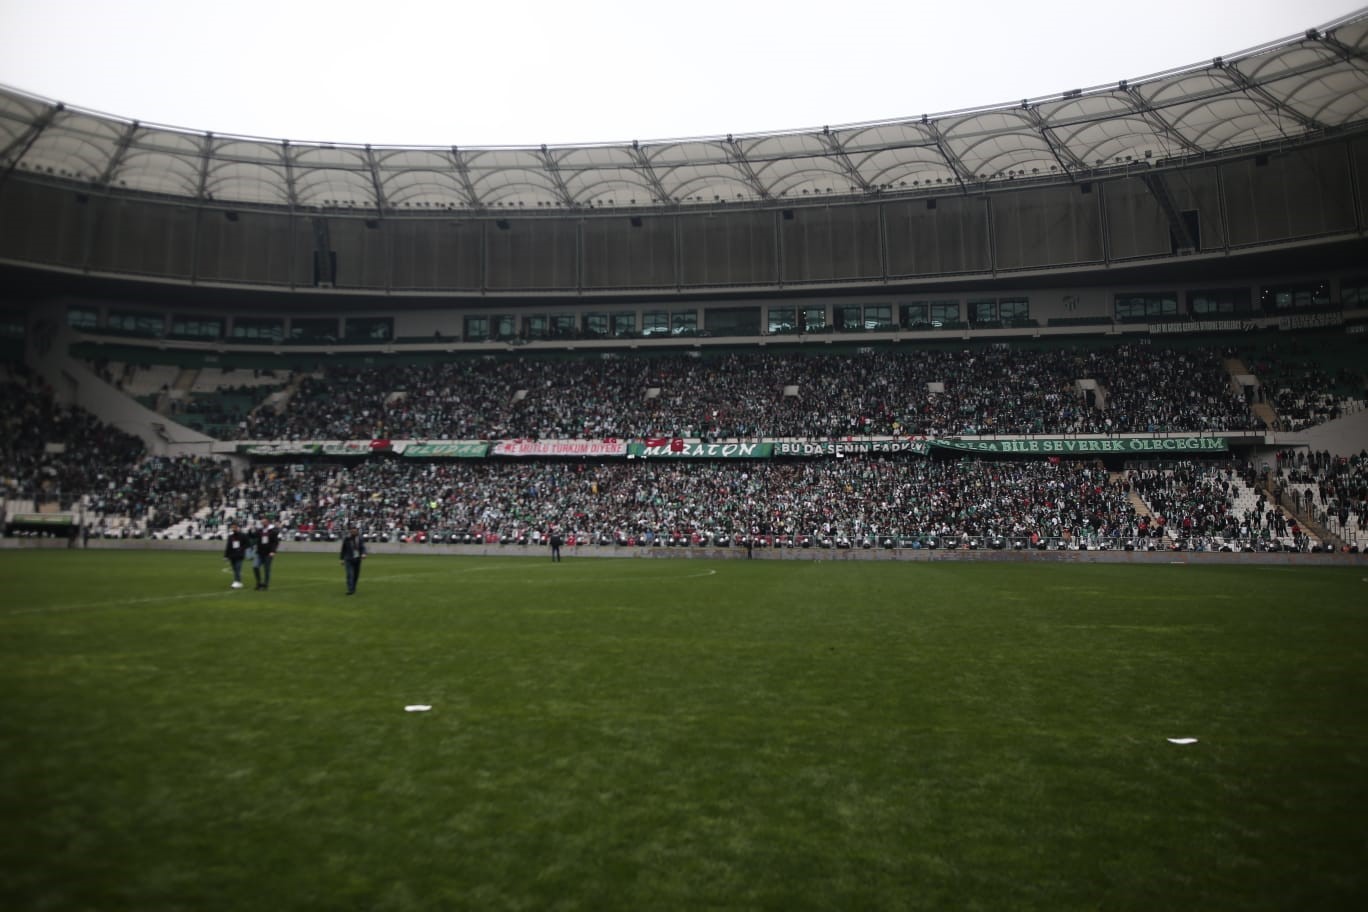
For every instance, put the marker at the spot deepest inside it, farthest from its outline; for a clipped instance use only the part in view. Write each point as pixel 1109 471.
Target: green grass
pixel 678 735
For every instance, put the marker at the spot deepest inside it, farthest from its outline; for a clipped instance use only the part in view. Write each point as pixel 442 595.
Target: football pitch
pixel 679 735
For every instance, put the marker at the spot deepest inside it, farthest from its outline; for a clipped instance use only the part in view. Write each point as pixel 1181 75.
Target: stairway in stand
pixel 1265 412
pixel 1138 504
pixel 1262 410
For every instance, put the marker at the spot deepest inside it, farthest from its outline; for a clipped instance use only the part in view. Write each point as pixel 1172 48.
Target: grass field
pixel 679 735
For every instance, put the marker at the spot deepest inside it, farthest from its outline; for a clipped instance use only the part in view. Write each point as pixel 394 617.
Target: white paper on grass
pixel 1182 740
pixel 417 708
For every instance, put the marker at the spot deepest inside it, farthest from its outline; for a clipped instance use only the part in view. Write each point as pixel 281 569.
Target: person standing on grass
pixel 268 540
pixel 234 552
pixel 556 542
pixel 353 551
pixel 253 534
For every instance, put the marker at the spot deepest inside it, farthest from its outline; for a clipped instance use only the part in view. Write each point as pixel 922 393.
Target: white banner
pixel 559 448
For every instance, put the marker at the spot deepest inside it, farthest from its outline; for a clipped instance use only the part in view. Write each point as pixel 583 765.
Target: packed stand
pixel 1332 490
pixel 158 492
pixel 996 390
pixel 855 501
pixel 52 453
pixel 1213 506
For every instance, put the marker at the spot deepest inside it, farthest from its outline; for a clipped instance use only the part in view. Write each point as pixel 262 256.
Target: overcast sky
pixel 514 72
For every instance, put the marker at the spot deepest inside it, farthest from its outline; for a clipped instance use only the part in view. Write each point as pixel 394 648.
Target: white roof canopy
pixel 1286 93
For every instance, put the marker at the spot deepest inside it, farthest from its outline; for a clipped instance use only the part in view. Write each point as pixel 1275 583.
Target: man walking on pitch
pixel 234 552
pixel 268 540
pixel 353 550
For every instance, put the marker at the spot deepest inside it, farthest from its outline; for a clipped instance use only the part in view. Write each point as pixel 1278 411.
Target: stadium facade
pixel 1237 187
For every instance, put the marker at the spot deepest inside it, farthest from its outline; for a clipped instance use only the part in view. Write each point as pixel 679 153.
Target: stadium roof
pixel 1286 93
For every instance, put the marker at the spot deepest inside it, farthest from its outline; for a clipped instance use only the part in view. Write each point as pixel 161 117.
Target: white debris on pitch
pixel 1182 740
pixel 417 708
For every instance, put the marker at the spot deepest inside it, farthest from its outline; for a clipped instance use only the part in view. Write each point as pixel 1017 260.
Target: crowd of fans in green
pixel 757 394
pixel 63 455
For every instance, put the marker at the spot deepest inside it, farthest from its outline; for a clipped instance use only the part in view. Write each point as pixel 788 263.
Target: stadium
pixel 988 450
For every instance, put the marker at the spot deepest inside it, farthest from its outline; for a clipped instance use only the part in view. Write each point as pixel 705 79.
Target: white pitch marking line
pixel 116 603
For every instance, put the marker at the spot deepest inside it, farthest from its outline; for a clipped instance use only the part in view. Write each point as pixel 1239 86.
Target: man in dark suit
pixel 353 551
pixel 234 551
pixel 268 540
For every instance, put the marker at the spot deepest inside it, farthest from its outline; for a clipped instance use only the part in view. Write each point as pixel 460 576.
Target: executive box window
pixel 655 323
pixel 1354 293
pixel 260 329
pixel 186 326
pixel 83 317
pixel 878 316
pixel 1307 296
pixel 667 323
pixel 11 326
pixel 999 310
pixel 622 323
pixel 140 324
pixel 563 326
pixel 849 317
pixel 734 321
pixel 476 329
pixel 368 329
pixel 983 311
pixel 596 324
pixel 505 327
pixel 943 312
pixel 1010 309
pixel 313 329
pixel 924 314
pixel 1150 306
pixel 796 319
pixel 1208 302
pixel 783 320
pixel 536 326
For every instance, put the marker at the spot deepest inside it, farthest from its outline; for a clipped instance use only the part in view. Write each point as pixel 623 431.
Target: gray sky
pixel 527 72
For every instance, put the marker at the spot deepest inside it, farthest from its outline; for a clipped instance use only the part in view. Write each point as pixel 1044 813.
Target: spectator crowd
pixel 52 453
pixel 1331 489
pixel 851 500
pixel 156 492
pixel 747 395
pixel 57 454
pixel 60 456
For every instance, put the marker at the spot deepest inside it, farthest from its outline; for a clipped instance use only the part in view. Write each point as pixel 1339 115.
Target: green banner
pixel 43 519
pixel 836 448
pixel 353 447
pixel 315 448
pixel 1069 446
pixel 702 451
pixel 449 450
pixel 280 449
